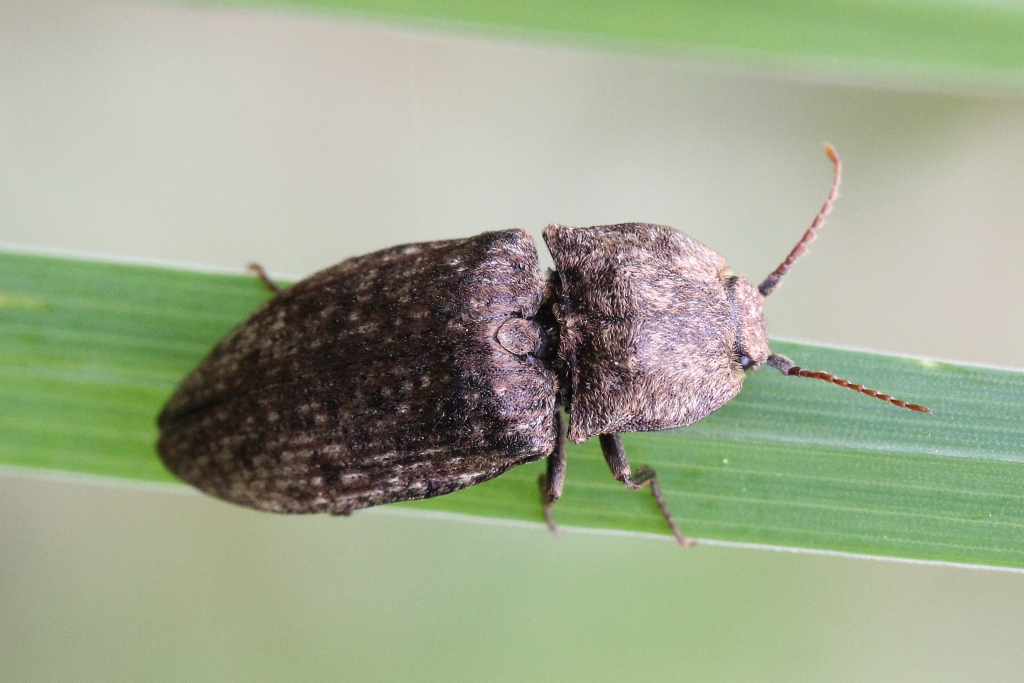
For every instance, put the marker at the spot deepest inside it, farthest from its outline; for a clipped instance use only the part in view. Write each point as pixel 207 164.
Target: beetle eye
pixel 742 358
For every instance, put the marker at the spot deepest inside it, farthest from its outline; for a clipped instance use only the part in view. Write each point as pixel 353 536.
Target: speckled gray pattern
pixel 649 329
pixel 379 379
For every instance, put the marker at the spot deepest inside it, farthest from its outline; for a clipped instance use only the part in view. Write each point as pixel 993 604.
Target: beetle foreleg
pixel 551 483
pixel 615 456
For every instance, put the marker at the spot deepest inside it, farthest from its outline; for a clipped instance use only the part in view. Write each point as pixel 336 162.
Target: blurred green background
pixel 216 136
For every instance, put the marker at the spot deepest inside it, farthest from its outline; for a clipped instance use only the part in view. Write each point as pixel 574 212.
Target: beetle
pixel 426 368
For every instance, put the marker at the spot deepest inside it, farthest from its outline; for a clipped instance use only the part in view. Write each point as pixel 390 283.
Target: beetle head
pixel 747 309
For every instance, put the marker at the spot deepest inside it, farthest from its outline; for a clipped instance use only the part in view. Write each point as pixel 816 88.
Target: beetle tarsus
pixel 552 482
pixel 547 502
pixel 656 492
pixel 258 271
pixel 615 456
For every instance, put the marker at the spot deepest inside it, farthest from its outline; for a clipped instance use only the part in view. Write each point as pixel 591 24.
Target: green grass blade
pixel 953 41
pixel 89 351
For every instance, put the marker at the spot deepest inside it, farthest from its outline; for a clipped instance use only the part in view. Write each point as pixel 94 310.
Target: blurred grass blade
pixel 959 42
pixel 89 351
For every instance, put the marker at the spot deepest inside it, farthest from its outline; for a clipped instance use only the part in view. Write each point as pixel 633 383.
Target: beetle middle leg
pixel 615 456
pixel 552 482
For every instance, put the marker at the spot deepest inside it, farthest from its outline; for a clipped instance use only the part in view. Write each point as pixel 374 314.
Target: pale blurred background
pixel 216 136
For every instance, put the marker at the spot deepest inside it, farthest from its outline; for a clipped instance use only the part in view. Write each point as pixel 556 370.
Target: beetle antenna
pixel 773 280
pixel 786 367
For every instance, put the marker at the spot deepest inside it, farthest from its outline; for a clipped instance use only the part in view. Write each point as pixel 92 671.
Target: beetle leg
pixel 551 483
pixel 615 456
pixel 258 271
